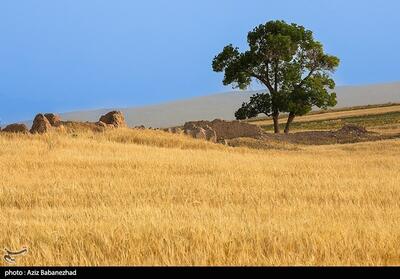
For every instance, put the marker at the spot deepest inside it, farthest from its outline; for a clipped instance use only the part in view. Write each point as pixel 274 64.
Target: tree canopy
pixel 289 62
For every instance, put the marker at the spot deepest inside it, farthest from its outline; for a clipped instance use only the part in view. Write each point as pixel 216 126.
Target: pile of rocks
pixel 53 119
pixel 44 123
pixel 112 119
pixel 200 131
pixel 16 128
pixel 40 124
pixel 219 130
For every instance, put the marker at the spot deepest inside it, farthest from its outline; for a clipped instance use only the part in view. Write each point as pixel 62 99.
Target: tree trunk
pixel 289 121
pixel 275 117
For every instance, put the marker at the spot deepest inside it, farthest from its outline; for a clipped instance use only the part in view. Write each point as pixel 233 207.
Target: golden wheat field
pixel 132 197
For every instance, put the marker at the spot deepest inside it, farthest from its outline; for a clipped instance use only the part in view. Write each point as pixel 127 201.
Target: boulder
pixel 114 118
pixel 15 128
pixel 54 119
pixel 40 125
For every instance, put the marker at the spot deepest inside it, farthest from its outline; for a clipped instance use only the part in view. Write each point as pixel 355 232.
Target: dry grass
pixel 150 198
pixel 337 114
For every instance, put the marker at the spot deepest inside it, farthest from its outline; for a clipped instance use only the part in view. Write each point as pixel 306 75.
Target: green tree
pixel 259 103
pixel 292 66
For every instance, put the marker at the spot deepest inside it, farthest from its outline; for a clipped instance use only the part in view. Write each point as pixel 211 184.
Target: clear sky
pixel 69 55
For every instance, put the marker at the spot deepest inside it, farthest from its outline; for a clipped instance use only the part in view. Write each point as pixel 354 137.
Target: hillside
pixel 224 105
pixel 379 118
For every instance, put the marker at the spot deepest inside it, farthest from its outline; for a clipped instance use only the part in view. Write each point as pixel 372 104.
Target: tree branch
pixel 263 80
pixel 307 77
pixel 268 82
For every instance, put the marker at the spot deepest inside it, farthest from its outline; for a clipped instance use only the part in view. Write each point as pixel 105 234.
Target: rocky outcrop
pixel 43 123
pixel 40 125
pixel 15 128
pixel 114 118
pixel 211 135
pixel 200 131
pixel 197 133
pixel 218 130
pixel 53 119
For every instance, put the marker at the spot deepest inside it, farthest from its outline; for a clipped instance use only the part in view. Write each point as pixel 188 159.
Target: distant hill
pixel 224 105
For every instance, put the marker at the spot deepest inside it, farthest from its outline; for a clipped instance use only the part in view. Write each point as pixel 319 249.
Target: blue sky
pixel 69 55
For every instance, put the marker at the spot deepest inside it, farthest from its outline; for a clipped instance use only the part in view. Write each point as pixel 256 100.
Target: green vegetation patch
pixel 337 123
